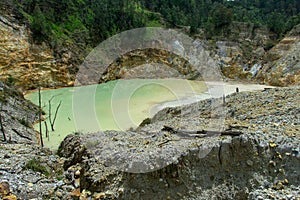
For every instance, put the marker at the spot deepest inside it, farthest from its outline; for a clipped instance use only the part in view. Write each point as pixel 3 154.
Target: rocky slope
pixel 28 172
pixel 250 55
pixel 26 64
pixel 258 157
pixel 17 117
pixel 150 63
pixel 282 65
pixel 244 55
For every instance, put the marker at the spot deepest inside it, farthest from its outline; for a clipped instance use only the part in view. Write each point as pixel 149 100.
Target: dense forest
pixel 213 15
pixel 92 21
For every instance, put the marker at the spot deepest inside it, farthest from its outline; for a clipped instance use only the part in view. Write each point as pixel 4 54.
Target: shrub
pixel 24 122
pixel 269 45
pixel 36 166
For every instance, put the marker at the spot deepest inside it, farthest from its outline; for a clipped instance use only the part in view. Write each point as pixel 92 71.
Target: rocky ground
pixel 30 171
pixel 17 116
pixel 251 153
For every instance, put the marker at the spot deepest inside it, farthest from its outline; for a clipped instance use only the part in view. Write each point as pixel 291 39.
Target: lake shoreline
pixel 229 88
pixel 121 114
pixel 142 110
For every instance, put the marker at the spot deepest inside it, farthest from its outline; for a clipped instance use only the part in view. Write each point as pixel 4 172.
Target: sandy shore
pixel 215 90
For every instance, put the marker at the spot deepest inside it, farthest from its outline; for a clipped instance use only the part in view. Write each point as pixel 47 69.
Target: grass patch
pixel 153 23
pixel 36 166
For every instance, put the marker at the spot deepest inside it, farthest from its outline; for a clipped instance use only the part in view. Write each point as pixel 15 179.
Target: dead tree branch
pixel 201 133
pixel 47 132
pixel 40 117
pixel 52 122
pixel 1 124
pixel 2 129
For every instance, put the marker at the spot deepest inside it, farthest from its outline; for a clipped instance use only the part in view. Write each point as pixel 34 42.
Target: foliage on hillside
pixel 214 15
pixel 80 20
pixel 88 22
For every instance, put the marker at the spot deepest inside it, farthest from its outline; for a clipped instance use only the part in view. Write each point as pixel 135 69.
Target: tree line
pixel 85 21
pixel 89 22
pixel 213 15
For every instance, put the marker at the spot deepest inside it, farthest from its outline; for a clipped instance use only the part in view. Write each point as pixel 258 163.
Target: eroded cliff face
pixel 248 53
pixel 17 117
pixel 245 55
pixel 26 64
pixel 250 56
pixel 282 66
pixel 150 63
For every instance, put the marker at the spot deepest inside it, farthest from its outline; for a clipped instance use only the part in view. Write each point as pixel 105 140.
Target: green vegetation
pixel 145 122
pixel 36 166
pixel 85 23
pixel 269 45
pixel 10 80
pixel 215 15
pixel 24 122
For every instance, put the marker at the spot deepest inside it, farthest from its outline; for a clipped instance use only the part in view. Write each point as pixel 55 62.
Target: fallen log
pixel 236 127
pixel 201 133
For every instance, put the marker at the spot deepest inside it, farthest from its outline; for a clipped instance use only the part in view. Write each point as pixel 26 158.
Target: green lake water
pixel 116 105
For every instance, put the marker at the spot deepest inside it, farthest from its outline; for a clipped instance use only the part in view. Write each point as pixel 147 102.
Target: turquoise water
pixel 116 105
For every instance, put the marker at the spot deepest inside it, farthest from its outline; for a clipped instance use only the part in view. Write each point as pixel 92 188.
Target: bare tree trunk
pixel 55 115
pixel 47 131
pixel 40 117
pixel 50 119
pixel 2 128
pixel 1 124
pixel 52 122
